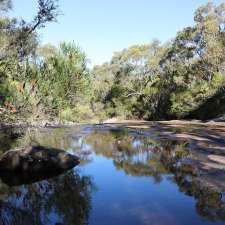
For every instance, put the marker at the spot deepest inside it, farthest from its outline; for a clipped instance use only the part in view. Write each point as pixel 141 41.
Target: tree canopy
pixel 148 81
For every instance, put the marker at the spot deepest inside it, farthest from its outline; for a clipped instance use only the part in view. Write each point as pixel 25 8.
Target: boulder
pixel 37 158
pixel 35 162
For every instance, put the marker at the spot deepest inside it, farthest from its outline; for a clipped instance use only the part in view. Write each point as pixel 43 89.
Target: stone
pixel 37 159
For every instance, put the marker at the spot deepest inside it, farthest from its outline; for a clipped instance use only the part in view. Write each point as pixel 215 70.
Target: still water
pixel 125 177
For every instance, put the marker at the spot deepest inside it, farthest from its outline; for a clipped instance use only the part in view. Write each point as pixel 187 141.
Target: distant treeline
pixel 184 78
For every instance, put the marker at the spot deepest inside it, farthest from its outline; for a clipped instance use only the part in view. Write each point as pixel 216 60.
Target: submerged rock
pixel 34 163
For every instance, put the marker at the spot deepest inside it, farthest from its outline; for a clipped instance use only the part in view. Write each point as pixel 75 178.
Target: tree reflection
pixel 210 202
pixel 143 156
pixel 65 199
pixel 137 156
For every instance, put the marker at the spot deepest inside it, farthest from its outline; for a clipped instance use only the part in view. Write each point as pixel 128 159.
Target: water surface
pixel 125 177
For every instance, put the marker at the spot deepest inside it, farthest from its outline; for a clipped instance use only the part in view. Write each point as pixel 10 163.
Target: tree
pixel 20 33
pixel 66 72
pixel 129 81
pixel 18 45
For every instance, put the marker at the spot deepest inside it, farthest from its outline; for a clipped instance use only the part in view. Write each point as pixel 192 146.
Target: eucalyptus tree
pixel 128 84
pixel 193 66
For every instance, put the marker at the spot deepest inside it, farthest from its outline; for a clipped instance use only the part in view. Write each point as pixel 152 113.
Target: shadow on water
pixel 66 199
pixel 20 178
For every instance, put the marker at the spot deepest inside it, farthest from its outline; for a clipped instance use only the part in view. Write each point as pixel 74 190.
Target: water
pixel 125 177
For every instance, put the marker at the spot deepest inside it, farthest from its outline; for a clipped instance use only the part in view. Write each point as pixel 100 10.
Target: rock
pixel 217 158
pixel 32 164
pixel 36 159
pixel 111 120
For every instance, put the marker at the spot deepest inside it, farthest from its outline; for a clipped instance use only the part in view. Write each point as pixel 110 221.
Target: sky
pixel 102 27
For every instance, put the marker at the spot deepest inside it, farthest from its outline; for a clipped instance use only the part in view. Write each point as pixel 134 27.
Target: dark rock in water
pixel 37 159
pixel 34 163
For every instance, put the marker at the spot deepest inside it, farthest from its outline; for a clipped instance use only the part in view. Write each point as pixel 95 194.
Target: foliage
pixel 40 82
pixel 158 81
pixel 149 81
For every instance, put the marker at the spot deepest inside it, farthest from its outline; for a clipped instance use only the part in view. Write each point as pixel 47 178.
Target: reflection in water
pixel 136 177
pixel 143 156
pixel 63 200
pixel 8 138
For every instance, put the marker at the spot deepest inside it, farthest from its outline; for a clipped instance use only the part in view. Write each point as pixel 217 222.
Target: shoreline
pixel 192 131
pixel 142 124
pixel 205 141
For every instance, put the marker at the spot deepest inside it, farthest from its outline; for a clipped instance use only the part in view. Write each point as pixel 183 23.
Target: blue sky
pixel 101 27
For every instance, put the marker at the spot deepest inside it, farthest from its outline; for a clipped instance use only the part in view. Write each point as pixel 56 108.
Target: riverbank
pixel 193 130
pixel 178 129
